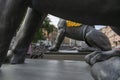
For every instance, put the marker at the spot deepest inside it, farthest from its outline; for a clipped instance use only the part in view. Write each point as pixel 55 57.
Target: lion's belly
pixel 84 11
pixel 75 33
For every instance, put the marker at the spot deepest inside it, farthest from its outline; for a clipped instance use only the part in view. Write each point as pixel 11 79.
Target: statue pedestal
pixel 37 69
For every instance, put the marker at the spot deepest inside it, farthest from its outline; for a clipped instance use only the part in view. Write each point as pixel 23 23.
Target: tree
pixel 47 26
pixel 39 35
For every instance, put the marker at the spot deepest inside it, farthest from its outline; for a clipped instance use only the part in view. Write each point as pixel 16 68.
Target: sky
pixel 54 21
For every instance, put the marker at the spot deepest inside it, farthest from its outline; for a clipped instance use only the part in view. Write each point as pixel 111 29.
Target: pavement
pixel 63 55
pixel 43 69
pixel 67 52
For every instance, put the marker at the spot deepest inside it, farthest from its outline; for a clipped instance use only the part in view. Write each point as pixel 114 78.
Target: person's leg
pixel 11 16
pixel 24 36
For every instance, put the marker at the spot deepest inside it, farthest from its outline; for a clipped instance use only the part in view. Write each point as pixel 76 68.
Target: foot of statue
pixel 2 60
pixel 53 48
pixel 9 56
pixel 18 57
pixel 97 56
pixel 1 63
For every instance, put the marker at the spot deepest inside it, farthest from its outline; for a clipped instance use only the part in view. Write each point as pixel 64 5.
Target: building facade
pixel 52 36
pixel 113 37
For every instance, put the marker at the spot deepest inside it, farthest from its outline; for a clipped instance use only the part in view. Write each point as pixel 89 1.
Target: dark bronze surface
pixel 37 69
pixel 83 32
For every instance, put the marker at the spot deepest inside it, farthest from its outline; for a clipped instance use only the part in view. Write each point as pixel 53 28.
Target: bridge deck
pixel 37 69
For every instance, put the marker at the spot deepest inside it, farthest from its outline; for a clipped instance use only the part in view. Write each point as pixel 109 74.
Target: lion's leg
pixel 98 40
pixel 103 55
pixel 58 41
pixel 10 19
pixel 24 36
pixel 60 36
pixel 98 56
